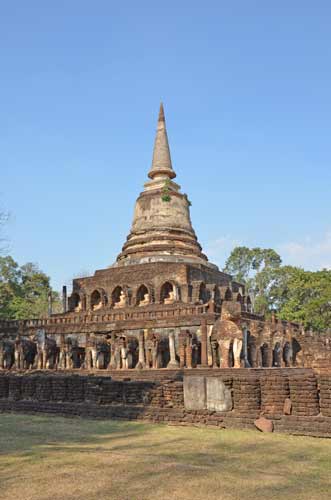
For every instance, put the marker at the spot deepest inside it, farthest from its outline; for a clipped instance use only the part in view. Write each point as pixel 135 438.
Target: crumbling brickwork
pixel 274 391
pixel 263 392
pixel 325 394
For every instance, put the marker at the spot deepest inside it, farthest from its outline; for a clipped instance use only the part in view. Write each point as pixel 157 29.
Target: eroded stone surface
pixel 287 407
pixel 219 397
pixel 195 393
pixel 264 425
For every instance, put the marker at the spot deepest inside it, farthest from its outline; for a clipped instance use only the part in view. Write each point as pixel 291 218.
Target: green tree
pixel 9 286
pixel 255 267
pixel 303 296
pixel 23 290
pixel 295 294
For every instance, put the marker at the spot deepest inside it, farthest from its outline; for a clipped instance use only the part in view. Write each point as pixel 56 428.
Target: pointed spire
pixel 161 113
pixel 161 164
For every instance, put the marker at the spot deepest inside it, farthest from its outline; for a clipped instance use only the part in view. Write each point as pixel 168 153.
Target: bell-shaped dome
pixel 161 228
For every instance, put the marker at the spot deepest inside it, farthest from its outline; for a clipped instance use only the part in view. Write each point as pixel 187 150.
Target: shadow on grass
pixel 173 462
pixel 24 433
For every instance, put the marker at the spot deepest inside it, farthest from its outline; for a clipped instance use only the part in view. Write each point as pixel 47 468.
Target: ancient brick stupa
pixel 161 304
pixel 161 263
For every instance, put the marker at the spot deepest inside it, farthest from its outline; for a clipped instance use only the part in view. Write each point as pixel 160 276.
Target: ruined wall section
pixel 222 398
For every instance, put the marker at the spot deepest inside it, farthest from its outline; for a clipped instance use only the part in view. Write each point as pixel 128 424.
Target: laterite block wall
pixel 159 397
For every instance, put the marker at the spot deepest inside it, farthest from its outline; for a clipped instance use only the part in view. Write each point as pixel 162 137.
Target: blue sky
pixel 246 88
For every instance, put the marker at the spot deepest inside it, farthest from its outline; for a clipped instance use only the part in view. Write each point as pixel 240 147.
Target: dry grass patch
pixel 44 457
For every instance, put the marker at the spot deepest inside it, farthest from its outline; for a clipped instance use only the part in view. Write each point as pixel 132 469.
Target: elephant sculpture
pixel 153 352
pixel 74 354
pixel 69 356
pixel 97 353
pixel 277 355
pixel 47 351
pixel 227 342
pixel 25 353
pixel 7 354
pixel 123 352
pixel 288 354
pixel 102 354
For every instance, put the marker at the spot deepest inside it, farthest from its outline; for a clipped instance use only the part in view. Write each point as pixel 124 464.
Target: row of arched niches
pixel 145 295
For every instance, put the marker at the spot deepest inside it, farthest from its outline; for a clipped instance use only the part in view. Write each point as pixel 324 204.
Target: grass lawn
pixel 44 457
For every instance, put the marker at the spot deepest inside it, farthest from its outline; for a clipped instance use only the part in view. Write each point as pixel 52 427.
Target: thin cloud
pixel 219 250
pixel 310 253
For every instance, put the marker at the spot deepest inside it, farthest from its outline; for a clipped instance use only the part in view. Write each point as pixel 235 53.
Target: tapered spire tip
pixel 161 164
pixel 161 113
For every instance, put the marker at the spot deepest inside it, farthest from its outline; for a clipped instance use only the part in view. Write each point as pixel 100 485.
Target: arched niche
pixel 143 296
pixel 203 294
pixel 76 302
pixel 167 294
pixel 96 300
pixel 228 294
pixel 249 305
pixel 118 297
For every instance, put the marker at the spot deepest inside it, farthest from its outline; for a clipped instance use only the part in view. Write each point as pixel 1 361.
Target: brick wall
pixel 159 397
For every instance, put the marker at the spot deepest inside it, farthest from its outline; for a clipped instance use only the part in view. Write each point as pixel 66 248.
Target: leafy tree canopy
pixel 295 294
pixel 256 268
pixel 303 296
pixel 24 290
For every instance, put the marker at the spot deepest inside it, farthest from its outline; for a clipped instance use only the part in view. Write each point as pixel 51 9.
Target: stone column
pixel 141 361
pixel 64 299
pixel 204 345
pixel 185 293
pixel 124 357
pixel 173 363
pixel 258 358
pixel 189 351
pixel 182 344
pixel 17 358
pixel 88 360
pixel 95 357
pixel 50 303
